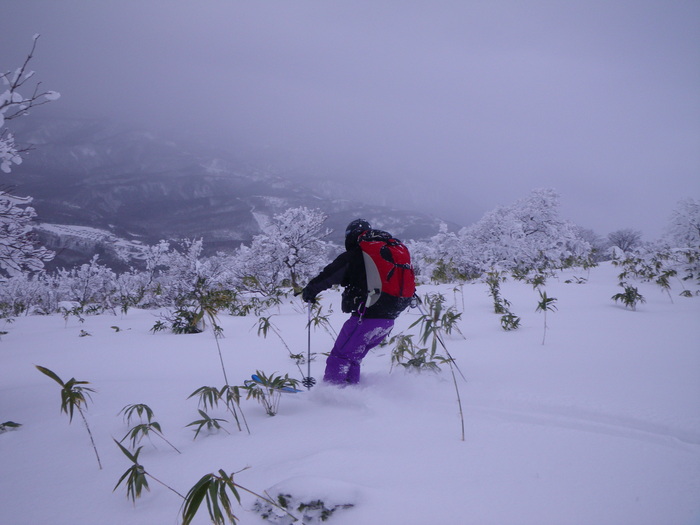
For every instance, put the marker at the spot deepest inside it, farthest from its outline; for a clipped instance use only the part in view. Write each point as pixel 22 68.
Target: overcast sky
pixel 480 100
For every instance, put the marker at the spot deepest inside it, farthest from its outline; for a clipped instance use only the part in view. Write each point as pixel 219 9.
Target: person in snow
pixel 367 326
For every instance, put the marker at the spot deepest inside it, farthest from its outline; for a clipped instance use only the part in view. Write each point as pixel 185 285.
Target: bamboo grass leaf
pixel 50 374
pixel 193 499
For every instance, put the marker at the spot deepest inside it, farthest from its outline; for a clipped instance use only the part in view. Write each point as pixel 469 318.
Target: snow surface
pixel 601 425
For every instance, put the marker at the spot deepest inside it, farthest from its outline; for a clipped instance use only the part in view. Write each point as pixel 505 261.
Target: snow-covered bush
pixel 28 294
pixel 527 237
pixel 18 249
pixel 290 250
pixel 684 227
pixel 674 259
pixel 684 235
pixel 183 269
pixel 442 259
pixel 90 285
pixel 526 240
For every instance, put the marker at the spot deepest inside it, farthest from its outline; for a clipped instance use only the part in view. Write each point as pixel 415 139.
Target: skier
pixel 368 325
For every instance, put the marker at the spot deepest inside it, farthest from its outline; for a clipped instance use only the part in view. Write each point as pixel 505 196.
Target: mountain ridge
pixel 139 187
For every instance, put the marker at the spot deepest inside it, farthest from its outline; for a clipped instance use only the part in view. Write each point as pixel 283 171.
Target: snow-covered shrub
pixel 18 249
pixel 527 237
pixel 27 293
pixel 130 290
pixel 441 259
pixel 660 264
pixel 599 246
pixel 684 226
pixel 91 285
pixel 677 258
pixel 181 269
pixel 290 250
pixel 684 234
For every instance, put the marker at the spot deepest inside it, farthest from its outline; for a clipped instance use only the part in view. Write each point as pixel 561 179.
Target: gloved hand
pixel 308 296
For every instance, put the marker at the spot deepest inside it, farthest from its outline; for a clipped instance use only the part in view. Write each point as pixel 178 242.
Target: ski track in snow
pixel 585 420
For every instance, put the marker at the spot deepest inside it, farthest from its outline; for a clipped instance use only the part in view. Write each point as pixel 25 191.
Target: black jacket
pixel 348 270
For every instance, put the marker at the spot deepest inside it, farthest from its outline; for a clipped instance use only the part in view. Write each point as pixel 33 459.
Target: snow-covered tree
pixel 184 266
pixel 89 284
pixel 441 258
pixel 626 239
pixel 598 244
pixel 18 249
pixel 17 246
pixel 28 293
pixel 526 236
pixel 684 227
pixel 291 247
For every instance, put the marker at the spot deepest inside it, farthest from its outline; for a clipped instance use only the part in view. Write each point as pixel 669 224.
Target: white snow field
pixel 598 426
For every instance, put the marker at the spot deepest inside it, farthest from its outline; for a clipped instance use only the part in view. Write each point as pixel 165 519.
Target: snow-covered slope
pixel 600 425
pixel 72 243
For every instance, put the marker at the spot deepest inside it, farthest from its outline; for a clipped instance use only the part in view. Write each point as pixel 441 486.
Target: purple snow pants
pixel 356 338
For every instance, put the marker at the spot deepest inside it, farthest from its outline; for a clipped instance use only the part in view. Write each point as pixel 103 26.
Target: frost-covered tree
pixel 18 250
pixel 89 284
pixel 524 237
pixel 292 247
pixel 28 293
pixel 598 244
pixel 684 227
pixel 626 239
pixel 183 267
pixel 527 236
pixel 440 259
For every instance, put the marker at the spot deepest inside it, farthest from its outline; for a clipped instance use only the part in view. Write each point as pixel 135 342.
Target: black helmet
pixel 356 227
pixel 352 232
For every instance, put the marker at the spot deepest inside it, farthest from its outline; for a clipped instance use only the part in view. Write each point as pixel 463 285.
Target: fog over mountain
pixel 447 107
pixel 97 184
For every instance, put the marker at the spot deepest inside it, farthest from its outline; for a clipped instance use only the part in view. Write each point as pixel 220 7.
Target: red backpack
pixel 388 267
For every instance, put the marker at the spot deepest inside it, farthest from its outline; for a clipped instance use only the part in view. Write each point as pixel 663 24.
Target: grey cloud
pixel 480 101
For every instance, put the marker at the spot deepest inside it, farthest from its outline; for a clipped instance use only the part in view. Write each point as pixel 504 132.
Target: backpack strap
pixel 386 254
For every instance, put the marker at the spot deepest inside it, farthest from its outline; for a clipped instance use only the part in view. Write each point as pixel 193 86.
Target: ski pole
pixel 308 381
